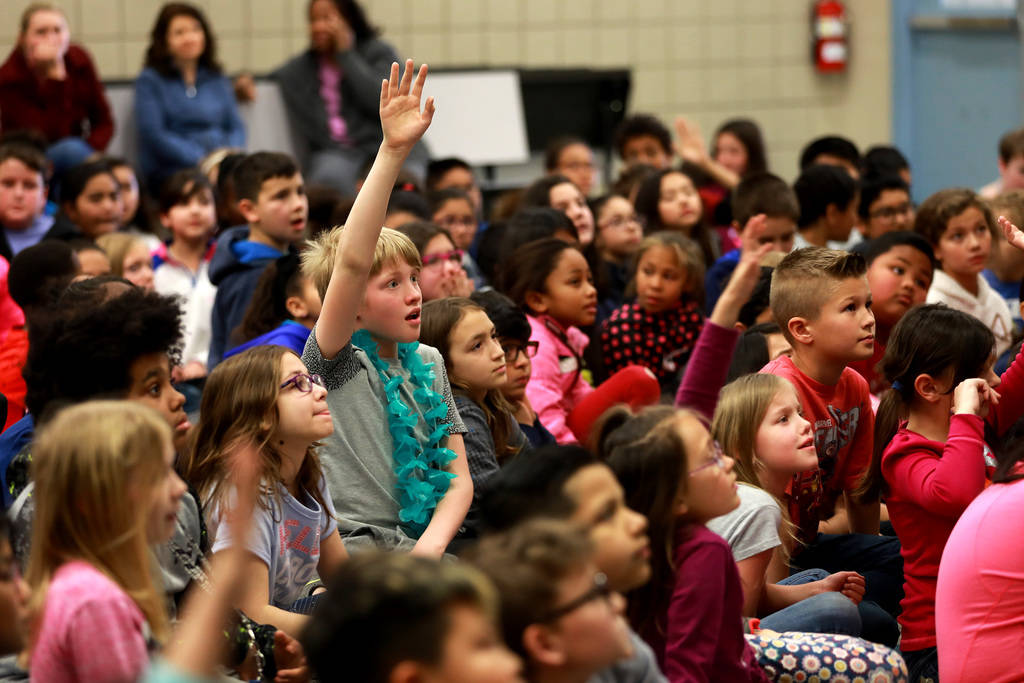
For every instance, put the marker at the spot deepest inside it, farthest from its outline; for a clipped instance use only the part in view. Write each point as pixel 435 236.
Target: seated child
pixel 828 207
pixel 1011 165
pixel 618 234
pixel 129 258
pixel 571 157
pixel 900 269
pixel 668 200
pixel 821 300
pixel 266 395
pixel 760 193
pixel 960 227
pixel 757 346
pixel 283 310
pixel 559 193
pixel 659 329
pixel 90 202
pixel 513 331
pixel 23 219
pixel 833 151
pixel 690 612
pixel 272 198
pixel 107 491
pixel 409 618
pixel 1005 270
pixel 134 218
pixel 443 271
pixel 883 161
pixel 884 206
pixel 182 266
pixel 557 610
pixel 475 362
pixel 643 139
pixel 396 462
pixel 452 172
pixel 453 210
pixel 550 280
pixel 92 260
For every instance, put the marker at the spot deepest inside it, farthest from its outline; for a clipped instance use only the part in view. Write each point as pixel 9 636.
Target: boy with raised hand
pixel 821 300
pixel 272 198
pixel 396 463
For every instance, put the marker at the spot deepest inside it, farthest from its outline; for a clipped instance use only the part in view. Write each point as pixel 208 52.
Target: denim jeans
pixel 922 665
pixel 823 613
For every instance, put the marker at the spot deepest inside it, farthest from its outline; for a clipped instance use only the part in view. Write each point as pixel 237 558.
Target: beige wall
pixel 710 59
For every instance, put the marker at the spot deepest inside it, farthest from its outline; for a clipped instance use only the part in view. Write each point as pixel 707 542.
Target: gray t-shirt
pixel 357 458
pixel 751 528
pixel 287 538
pixel 642 667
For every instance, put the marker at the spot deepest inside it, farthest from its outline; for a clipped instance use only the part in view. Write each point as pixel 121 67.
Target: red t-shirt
pixel 843 435
pixel 866 369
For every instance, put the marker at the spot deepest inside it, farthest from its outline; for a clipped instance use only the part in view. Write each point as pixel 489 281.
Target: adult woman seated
pixel 50 86
pixel 332 92
pixel 184 105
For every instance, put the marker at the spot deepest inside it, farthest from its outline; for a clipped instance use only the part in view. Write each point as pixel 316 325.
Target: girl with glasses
pixel 443 273
pixel 265 395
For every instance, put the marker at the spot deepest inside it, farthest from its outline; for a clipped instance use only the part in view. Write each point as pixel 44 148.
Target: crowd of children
pixel 707 426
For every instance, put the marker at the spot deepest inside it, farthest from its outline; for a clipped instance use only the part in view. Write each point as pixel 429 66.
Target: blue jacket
pixel 718 277
pixel 289 333
pixel 235 268
pixel 177 130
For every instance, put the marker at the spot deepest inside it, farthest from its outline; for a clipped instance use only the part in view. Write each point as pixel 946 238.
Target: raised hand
pixel 400 117
pixel 1013 234
pixel 690 145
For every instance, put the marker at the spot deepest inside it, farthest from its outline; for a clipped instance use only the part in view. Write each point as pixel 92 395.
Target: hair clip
pixel 897 386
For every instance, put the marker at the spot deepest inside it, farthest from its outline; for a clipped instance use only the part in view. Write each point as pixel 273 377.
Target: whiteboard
pixel 479 117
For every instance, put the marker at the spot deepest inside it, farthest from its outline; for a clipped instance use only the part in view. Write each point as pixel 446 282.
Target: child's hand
pixel 400 116
pixel 748 270
pixel 690 145
pixel 974 397
pixel 461 285
pixel 850 584
pixel 290 660
pixel 1013 234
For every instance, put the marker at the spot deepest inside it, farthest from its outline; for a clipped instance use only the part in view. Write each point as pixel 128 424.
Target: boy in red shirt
pixel 821 300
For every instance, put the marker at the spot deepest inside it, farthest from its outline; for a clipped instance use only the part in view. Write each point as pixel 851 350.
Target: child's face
pixel 473 651
pixel 166 494
pixel 129 190
pixel 899 279
pixel 659 279
pixel 841 220
pixel 778 345
pixel 98 210
pixel 305 307
pixel 151 385
pixel 476 358
pixel 569 295
pixel 442 268
pixel 280 211
pixel 93 263
pixel 678 202
pixel 517 370
pixel 779 231
pixel 964 247
pixel 391 305
pixel 619 535
pixel 14 612
pixel 711 489
pixel 731 153
pixel 595 634
pixel 645 149
pixel 138 267
pixel 192 220
pixel 461 179
pixel 844 331
pixel 568 199
pixel 619 230
pixel 891 211
pixel 785 440
pixel 22 194
pixel 1012 172
pixel 302 416
pixel 458 217
pixel 576 162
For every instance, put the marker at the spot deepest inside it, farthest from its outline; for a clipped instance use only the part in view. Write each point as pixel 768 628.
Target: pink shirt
pixel 91 630
pixel 556 385
pixel 979 603
pixel 330 92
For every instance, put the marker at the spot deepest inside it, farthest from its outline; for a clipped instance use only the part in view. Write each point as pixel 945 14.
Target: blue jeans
pixel 823 613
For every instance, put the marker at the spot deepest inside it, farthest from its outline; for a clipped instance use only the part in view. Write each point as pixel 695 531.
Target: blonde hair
pixel 805 279
pixel 689 258
pixel 116 246
pixel 93 466
pixel 741 408
pixel 320 254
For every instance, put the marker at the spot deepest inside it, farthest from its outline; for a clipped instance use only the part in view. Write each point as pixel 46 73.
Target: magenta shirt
pixel 330 92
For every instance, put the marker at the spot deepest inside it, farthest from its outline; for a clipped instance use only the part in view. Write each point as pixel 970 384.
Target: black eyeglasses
pixel 599 591
pixel 512 351
pixel 304 382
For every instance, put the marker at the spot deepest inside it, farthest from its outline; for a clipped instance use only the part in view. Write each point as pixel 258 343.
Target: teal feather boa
pixel 420 469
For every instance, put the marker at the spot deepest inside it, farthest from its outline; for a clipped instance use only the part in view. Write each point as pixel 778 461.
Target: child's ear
pixel 800 331
pixel 740 326
pixel 536 302
pixel 543 646
pixel 928 388
pixel 406 672
pixel 679 506
pixel 165 220
pixel 296 307
pixel 247 208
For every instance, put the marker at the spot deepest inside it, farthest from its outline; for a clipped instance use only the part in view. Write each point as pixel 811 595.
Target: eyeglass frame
pixel 313 380
pixel 887 213
pixel 717 458
pixel 521 348
pixel 600 590
pixel 455 256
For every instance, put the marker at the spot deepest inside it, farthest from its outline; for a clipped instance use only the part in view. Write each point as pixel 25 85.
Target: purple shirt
pixel 330 91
